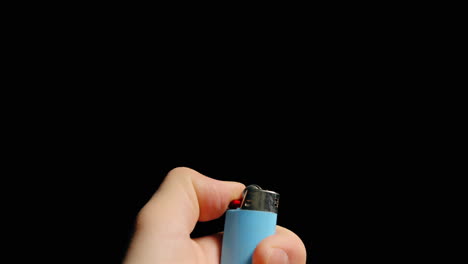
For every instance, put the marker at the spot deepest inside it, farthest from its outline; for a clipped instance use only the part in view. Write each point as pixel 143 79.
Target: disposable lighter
pixel 246 226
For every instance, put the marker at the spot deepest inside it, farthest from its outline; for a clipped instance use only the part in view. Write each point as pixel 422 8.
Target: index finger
pixel 185 197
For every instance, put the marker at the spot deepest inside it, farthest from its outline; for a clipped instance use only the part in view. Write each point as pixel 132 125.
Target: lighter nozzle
pixel 255 198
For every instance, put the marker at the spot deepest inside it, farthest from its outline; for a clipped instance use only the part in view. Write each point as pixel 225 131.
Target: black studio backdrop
pixel 342 162
pixel 333 179
pixel 314 114
pixel 342 169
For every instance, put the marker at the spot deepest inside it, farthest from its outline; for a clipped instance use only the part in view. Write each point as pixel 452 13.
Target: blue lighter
pixel 246 226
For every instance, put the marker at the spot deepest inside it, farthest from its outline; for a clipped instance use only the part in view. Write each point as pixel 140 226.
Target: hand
pixel 164 224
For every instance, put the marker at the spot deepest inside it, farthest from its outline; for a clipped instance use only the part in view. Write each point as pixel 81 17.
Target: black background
pixel 330 109
pixel 344 166
pixel 327 122
pixel 343 160
pixel 350 171
pixel 335 169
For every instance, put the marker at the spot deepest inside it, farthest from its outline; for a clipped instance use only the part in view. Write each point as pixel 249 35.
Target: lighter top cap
pixel 255 198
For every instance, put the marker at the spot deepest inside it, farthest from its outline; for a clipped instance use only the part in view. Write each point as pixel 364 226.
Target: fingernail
pixel 277 256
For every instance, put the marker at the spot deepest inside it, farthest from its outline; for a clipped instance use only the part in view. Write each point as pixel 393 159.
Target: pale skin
pixel 162 233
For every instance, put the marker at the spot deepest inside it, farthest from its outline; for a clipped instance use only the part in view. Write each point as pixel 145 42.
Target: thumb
pixel 281 248
pixel 185 197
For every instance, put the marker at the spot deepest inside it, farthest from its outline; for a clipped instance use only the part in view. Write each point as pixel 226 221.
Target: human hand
pixel 162 232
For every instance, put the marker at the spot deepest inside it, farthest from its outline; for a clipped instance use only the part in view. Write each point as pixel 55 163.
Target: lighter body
pixel 245 227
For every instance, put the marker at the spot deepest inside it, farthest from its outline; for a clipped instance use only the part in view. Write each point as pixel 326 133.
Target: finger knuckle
pixel 143 218
pixel 181 171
